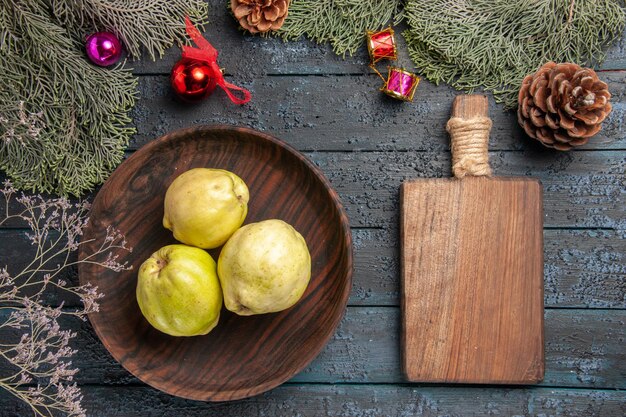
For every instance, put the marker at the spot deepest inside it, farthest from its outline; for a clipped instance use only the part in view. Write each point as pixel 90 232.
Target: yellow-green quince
pixel 264 267
pixel 178 291
pixel 204 206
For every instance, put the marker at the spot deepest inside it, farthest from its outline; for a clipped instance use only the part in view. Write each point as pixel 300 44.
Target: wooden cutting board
pixel 472 269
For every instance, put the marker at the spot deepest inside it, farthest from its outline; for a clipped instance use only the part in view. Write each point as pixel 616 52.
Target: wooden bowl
pixel 242 356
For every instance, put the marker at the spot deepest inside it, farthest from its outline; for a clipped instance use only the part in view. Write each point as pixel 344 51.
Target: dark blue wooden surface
pixel 367 144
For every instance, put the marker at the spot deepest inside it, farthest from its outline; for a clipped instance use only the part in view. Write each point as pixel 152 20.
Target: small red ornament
pixel 381 45
pixel 193 80
pixel 197 74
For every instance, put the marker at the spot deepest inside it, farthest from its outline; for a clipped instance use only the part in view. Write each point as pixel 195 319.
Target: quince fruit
pixel 204 206
pixel 264 267
pixel 178 291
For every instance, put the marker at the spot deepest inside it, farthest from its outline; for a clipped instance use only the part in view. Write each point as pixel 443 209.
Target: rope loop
pixel 469 145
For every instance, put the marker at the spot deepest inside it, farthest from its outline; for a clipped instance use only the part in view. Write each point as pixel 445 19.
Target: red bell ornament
pixel 196 75
pixel 193 80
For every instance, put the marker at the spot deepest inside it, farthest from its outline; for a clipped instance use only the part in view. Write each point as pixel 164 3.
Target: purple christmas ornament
pixel 103 48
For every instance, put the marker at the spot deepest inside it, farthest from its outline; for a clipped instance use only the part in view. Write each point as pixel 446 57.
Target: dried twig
pixel 34 347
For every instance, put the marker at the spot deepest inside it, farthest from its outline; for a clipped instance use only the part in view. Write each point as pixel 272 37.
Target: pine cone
pixel 260 15
pixel 563 105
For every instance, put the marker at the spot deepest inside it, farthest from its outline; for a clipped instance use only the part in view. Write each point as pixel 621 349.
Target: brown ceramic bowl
pixel 242 356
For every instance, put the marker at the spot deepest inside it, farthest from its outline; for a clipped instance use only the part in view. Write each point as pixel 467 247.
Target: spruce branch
pixel 495 43
pixel 82 127
pixel 64 122
pixel 151 25
pixel 341 22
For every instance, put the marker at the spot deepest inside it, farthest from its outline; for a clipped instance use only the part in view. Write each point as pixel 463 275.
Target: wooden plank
pixel 581 189
pixel 348 113
pixel 616 55
pixel 584 348
pixel 472 280
pixel 577 343
pixel 350 400
pixel 583 268
pixel 471 252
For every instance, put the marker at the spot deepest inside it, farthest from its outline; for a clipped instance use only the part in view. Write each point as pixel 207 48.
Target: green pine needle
pixel 341 22
pixel 64 122
pixel 149 25
pixel 495 43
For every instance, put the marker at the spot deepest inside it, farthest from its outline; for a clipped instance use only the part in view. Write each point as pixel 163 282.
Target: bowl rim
pixel 241 393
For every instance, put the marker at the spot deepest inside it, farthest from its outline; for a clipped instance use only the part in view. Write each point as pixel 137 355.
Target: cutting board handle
pixel 469 128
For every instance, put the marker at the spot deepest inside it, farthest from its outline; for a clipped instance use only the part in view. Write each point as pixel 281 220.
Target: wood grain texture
pixel 582 268
pixel 242 356
pixel 582 189
pixel 583 350
pixel 472 280
pixel 472 274
pixel 320 400
pixel 354 117
pixel 367 145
